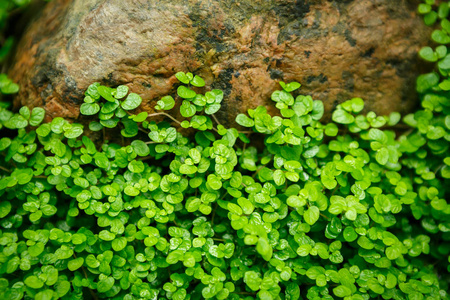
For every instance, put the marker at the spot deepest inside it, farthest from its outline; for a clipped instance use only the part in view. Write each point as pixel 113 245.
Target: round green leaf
pixel 34 282
pixel 185 92
pixel 37 116
pixel 311 215
pixel 198 81
pixel 131 102
pixel 5 208
pixel 342 117
pixel 244 120
pixel 89 109
pixel 75 264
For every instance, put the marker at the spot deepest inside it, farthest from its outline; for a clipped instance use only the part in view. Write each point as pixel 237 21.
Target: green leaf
pixel 73 132
pixel 64 252
pixel 342 117
pixel 140 148
pixel 187 169
pixel 290 87
pixel 37 116
pixel 382 156
pixel 440 37
pixel 89 109
pixel 4 143
pixel 185 93
pixel 109 107
pixel 187 109
pixel 318 110
pixel 131 102
pixel 136 166
pixel 295 201
pixel 244 120
pixel 141 117
pixel 105 285
pixel 44 295
pixel 279 177
pixel 106 235
pixel 121 91
pixel 428 54
pixel 235 209
pixel 95 126
pixel 92 91
pixel 214 182
pixel 34 282
pixel 342 291
pixel 131 191
pixel 181 76
pixel 212 109
pixel 311 215
pixel 197 81
pixel 331 129
pixel 75 264
pixel 5 208
pixel 393 253
pixel 119 244
pixel 252 280
pixel 349 234
pixel 166 103
pixel 106 93
pixel 427 81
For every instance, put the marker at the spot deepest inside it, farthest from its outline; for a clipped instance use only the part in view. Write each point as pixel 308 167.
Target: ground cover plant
pixel 355 208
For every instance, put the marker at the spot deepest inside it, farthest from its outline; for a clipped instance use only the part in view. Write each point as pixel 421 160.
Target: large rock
pixel 336 49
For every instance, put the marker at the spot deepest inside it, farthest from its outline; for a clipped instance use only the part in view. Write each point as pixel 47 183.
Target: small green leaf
pixel 187 109
pixel 342 291
pixel 342 117
pixel 131 102
pixel 34 282
pixel 89 109
pixel 106 235
pixel 106 93
pixel 311 215
pixel 185 93
pixel 136 166
pixel 428 54
pixel 181 76
pixel 5 208
pixel 119 244
pixel 264 248
pixel 75 131
pixel 121 91
pixel 166 103
pixel 45 295
pixel 290 87
pixel 427 81
pixel 244 120
pixel 105 285
pixel 75 264
pixel 197 81
pixel 382 156
pixel 349 234
pixel 140 148
pixel 37 116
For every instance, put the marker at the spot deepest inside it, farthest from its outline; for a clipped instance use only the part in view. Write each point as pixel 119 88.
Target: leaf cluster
pixel 348 209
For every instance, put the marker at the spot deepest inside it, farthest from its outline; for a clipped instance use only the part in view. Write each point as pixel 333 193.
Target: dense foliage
pixel 349 209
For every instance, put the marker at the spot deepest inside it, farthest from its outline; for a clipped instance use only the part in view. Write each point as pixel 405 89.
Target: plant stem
pixel 5 169
pixel 164 114
pixel 214 214
pixel 217 121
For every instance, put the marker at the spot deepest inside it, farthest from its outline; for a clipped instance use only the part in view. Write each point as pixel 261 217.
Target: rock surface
pixel 336 49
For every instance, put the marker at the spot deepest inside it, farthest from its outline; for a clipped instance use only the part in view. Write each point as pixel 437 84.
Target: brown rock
pixel 336 49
